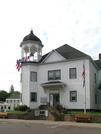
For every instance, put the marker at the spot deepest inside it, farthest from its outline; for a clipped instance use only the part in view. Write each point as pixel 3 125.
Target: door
pixel 54 99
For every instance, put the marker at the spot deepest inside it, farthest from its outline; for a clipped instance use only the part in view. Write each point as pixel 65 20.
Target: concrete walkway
pixel 58 123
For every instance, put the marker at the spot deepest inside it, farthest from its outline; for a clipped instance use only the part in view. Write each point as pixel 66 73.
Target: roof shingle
pixel 68 52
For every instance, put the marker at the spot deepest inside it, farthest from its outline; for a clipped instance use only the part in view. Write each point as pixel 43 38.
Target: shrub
pixel 57 112
pixel 22 108
pixel 59 108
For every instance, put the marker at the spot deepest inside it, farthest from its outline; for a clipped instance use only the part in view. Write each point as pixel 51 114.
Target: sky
pixel 56 22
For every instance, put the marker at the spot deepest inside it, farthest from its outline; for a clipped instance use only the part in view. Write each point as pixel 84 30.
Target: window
pixel 9 108
pixel 72 73
pixel 33 76
pixel 73 96
pixel 33 97
pixel 95 77
pixel 95 98
pixel 54 75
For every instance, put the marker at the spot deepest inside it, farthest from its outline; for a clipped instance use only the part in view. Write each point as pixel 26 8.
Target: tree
pixel 15 94
pixel 11 89
pixel 3 95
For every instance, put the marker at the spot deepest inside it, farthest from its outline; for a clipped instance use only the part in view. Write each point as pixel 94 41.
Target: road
pixel 27 127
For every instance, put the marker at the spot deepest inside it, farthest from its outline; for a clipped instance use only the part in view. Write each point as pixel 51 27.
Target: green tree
pixel 11 89
pixel 15 94
pixel 3 95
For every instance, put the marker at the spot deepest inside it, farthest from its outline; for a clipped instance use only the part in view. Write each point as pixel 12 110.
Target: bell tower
pixel 31 48
pixel 31 53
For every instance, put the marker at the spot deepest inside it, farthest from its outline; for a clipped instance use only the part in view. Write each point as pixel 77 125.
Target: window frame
pixel 33 99
pixel 55 76
pixel 71 96
pixel 95 98
pixel 33 76
pixel 71 74
pixel 95 79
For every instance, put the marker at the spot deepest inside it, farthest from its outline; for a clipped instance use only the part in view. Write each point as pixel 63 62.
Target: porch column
pixel 51 99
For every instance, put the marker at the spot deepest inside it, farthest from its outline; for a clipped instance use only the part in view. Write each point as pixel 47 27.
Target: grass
pixel 17 112
pixel 81 113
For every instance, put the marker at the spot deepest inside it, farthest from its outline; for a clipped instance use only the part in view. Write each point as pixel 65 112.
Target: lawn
pixel 17 112
pixel 82 113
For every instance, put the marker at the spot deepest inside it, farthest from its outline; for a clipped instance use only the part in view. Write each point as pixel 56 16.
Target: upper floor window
pixel 54 75
pixel 33 76
pixel 72 73
pixel 73 96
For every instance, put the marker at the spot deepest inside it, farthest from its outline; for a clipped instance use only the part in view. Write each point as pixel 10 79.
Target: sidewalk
pixel 58 123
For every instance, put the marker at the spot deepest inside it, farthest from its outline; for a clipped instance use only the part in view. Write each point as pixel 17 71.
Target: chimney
pixel 99 56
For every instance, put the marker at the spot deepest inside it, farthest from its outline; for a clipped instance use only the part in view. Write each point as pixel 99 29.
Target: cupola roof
pixel 31 37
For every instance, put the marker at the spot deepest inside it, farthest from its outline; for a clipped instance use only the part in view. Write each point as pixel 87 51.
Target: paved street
pixel 42 127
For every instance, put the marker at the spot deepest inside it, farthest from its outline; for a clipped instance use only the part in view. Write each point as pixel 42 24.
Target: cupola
pixel 31 47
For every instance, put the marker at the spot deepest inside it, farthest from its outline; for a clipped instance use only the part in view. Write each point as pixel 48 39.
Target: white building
pixel 9 104
pixel 56 77
pixel 4 107
pixel 13 102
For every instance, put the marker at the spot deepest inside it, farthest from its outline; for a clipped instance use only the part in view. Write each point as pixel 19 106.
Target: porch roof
pixel 53 84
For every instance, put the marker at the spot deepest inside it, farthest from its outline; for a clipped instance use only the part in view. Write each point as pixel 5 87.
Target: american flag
pixel 83 75
pixel 18 64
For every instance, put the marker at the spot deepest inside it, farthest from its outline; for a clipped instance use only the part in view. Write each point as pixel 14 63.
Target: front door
pixel 54 99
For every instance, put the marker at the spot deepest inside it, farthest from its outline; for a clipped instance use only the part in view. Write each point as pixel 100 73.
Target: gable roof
pixel 43 57
pixel 68 52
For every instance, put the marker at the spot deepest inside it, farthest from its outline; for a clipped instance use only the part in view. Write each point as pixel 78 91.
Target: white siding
pixel 99 91
pixel 25 85
pixel 28 86
pixel 93 88
pixel 71 84
pixel 99 76
pixel 54 57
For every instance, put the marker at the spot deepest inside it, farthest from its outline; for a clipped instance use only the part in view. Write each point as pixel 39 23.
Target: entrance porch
pixel 53 90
